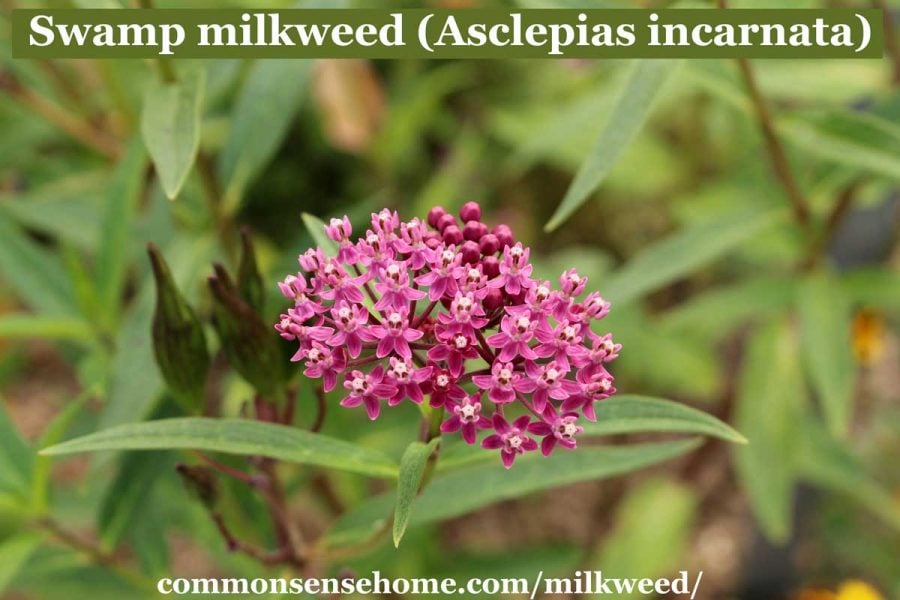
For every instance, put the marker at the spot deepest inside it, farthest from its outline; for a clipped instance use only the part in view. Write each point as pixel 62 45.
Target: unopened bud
pixel 249 281
pixel 246 340
pixel 179 342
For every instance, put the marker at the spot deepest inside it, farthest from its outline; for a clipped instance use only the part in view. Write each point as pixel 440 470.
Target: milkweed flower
pixel 447 309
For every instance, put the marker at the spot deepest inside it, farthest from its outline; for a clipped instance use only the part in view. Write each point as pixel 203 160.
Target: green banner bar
pixel 467 33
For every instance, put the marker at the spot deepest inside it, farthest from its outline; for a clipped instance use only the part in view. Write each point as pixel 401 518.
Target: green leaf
pixel 113 254
pixel 66 208
pixel 28 326
pixel 234 436
pixel 263 113
pixel 827 349
pixel 15 456
pixel 651 531
pixel 846 137
pixel 34 274
pixel 170 124
pixel 671 363
pixel 15 552
pixel 677 255
pixel 770 393
pixel 873 287
pixel 633 414
pixel 719 311
pixel 461 491
pixel 412 467
pixel 625 121
pixel 826 462
pixel 316 228
pixel 126 498
pixel 52 434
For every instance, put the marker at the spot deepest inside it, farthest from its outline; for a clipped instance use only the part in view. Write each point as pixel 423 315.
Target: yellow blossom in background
pixel 857 590
pixel 868 337
pixel 853 589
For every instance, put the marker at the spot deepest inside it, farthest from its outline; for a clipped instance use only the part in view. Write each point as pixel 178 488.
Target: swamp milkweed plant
pixel 448 309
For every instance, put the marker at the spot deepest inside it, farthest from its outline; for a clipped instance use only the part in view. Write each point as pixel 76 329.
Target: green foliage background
pixel 650 177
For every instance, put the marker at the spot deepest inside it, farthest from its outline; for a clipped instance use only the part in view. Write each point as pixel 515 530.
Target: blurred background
pixel 775 309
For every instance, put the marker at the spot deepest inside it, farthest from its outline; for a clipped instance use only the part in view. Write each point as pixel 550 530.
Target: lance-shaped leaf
pixel 827 351
pixel 235 436
pixel 623 124
pixel 179 343
pixel 769 408
pixel 632 414
pixel 412 468
pixel 461 491
pixel 170 125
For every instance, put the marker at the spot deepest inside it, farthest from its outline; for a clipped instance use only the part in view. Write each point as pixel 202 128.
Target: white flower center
pixel 442 380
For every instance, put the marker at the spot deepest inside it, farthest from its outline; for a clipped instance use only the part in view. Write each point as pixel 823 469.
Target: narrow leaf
pixel 846 137
pixel 15 552
pixel 652 528
pixel 15 456
pixel 632 414
pixel 234 436
pixel 827 462
pixel 170 124
pixel 115 244
pixel 769 408
pixel 263 113
pixel 873 287
pixel 679 254
pixel 32 273
pixel 461 491
pixel 412 467
pixel 827 351
pixel 28 326
pixel 718 311
pixel 624 122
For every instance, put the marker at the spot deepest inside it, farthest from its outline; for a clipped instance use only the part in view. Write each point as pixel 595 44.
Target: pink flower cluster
pixel 450 312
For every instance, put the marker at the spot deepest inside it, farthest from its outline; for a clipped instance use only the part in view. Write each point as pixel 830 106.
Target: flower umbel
pixel 449 310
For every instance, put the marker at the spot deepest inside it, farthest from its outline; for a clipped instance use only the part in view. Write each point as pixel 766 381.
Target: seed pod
pixel 251 347
pixel 179 342
pixel 249 281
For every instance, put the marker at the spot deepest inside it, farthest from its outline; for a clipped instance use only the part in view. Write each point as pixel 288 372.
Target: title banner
pixel 466 33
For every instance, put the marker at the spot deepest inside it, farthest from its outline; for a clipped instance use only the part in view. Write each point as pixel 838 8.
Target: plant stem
pixel 891 43
pixel 96 554
pixel 321 409
pixel 75 127
pixel 776 152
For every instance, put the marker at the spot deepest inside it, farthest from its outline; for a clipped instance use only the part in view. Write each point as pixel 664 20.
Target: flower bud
pixel 470 211
pixel 470 253
pixel 491 266
pixel 452 235
pixel 179 342
pixel 473 230
pixel 504 236
pixel 249 345
pixel 493 299
pixel 249 281
pixel 489 244
pixel 446 221
pixel 435 214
